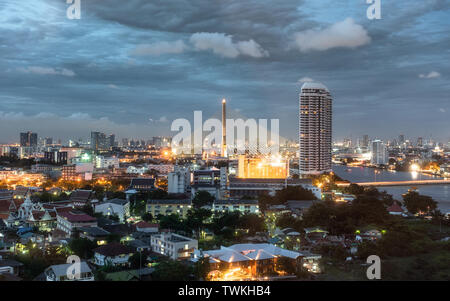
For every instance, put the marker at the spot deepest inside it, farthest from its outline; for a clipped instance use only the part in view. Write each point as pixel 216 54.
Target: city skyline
pixel 117 72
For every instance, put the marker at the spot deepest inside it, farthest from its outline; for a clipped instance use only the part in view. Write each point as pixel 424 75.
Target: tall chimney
pixel 224 128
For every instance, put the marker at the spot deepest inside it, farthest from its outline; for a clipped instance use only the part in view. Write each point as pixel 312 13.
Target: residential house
pixel 59 272
pixel 114 254
pixel 69 221
pixel 146 227
pixel 96 234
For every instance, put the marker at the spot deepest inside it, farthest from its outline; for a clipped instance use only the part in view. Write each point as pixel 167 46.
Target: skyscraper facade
pixel 28 139
pixel 380 155
pixel 315 126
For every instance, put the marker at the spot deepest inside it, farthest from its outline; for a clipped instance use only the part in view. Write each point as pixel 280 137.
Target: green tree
pixel 196 219
pixel 172 271
pixel 416 202
pixel 138 260
pixel 202 198
pixel 82 247
pixel 297 193
pixel 148 217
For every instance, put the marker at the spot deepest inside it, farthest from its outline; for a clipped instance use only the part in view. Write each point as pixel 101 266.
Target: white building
pixel 315 120
pixel 173 245
pixel 179 181
pixel 118 207
pixel 59 272
pixel 161 168
pixel 243 206
pixel 380 155
pixel 137 170
pixel 106 162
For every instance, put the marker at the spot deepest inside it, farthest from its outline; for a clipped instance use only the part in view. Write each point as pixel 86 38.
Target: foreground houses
pixel 250 261
pixel 146 227
pixel 173 245
pixel 59 272
pixel 113 254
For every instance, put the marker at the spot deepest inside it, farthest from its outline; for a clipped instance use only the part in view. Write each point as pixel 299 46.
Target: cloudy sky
pixel 131 67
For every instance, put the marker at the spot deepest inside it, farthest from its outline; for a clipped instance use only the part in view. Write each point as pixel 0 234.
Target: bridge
pixel 398 183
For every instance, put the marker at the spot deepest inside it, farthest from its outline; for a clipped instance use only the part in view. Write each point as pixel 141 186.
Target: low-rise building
pixel 250 261
pixel 114 254
pixel 147 227
pixel 106 162
pixel 60 272
pixel 69 221
pixel 173 245
pixel 142 184
pixel 230 205
pixel 96 234
pixel 169 206
pixel 118 207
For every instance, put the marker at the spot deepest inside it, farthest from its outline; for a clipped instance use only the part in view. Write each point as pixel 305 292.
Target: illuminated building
pixel 106 162
pixel 379 153
pixel 173 245
pixel 252 261
pixel 114 207
pixel 213 181
pixel 315 121
pixel 263 168
pixel 169 206
pixel 224 128
pixel 232 205
pixel 179 181
pixel 241 187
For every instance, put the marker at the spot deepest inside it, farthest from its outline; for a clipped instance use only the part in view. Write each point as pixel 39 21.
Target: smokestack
pixel 224 128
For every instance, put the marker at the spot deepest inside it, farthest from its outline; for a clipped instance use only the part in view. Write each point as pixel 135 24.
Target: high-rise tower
pixel 315 117
pixel 224 128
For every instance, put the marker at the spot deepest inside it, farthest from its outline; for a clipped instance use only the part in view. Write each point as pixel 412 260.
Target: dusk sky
pixel 131 67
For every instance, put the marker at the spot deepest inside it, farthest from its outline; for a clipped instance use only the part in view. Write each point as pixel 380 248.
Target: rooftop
pixel 113 249
pixel 314 85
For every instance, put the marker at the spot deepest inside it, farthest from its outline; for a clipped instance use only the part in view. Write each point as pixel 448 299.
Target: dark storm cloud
pixel 128 66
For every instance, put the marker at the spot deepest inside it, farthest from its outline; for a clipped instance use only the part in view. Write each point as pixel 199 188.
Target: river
pixel 440 193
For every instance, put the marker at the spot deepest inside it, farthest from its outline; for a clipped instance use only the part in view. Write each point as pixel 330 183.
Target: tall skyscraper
pixel 380 155
pixel 99 141
pixel 28 139
pixel 224 128
pixel 365 141
pixel 420 142
pixel 315 118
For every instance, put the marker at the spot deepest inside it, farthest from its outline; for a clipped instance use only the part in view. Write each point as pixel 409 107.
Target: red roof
pixel 394 208
pixel 143 224
pixel 76 217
